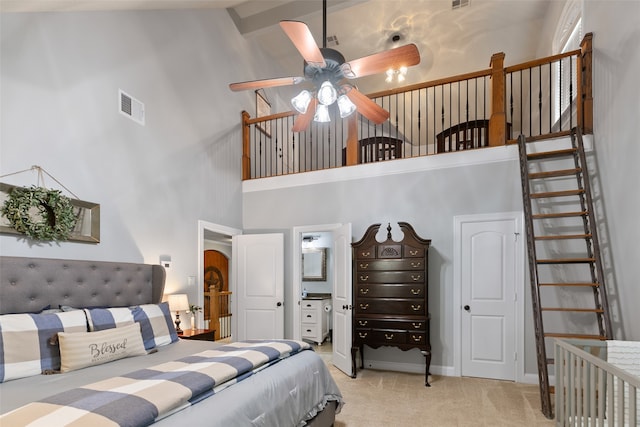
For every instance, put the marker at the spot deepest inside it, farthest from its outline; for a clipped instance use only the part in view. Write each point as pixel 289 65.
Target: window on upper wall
pixel 567 38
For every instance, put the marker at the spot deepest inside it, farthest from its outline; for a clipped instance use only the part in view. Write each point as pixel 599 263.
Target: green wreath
pixel 40 213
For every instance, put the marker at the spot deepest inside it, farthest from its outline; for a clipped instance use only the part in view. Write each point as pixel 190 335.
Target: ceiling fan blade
pixel 259 84
pixel 403 56
pixel 302 121
pixel 303 40
pixel 367 107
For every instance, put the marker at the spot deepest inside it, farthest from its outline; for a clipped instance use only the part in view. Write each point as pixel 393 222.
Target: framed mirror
pixel 87 227
pixel 314 265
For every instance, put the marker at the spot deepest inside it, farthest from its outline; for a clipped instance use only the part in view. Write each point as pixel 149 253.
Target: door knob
pixel 467 308
pixel 279 304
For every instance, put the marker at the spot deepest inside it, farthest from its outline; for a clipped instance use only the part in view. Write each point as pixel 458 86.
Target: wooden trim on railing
pixel 214 310
pixel 443 81
pixel 246 146
pixel 270 117
pixel 498 120
pixel 541 61
pixel 585 83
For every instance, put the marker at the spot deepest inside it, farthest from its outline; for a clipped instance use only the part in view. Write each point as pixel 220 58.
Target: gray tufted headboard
pixel 27 285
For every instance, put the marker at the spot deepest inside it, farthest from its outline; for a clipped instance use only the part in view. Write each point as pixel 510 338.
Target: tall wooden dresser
pixel 390 291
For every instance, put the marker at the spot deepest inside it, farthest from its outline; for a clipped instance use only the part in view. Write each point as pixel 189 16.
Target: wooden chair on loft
pixel 465 136
pixel 376 149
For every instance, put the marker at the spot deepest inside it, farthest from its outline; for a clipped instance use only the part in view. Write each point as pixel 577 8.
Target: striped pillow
pixel 100 319
pixel 25 349
pixel 156 324
pixel 82 349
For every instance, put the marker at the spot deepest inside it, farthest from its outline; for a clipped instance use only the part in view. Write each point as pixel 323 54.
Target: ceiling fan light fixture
pixel 345 106
pixel 322 114
pixel 327 94
pixel 301 101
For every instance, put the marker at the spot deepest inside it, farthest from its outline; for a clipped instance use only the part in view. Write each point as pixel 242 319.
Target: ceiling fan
pixel 330 73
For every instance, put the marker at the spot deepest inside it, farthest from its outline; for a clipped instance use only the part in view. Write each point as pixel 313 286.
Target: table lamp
pixel 178 303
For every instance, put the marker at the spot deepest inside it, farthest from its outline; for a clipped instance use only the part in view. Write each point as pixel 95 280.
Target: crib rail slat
pixel 590 391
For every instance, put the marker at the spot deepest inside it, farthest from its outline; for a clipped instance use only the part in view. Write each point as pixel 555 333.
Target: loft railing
pixel 541 98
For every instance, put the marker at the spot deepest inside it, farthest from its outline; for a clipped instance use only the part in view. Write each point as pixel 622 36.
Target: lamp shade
pixel 178 302
pixel 322 114
pixel 301 101
pixel 327 94
pixel 345 106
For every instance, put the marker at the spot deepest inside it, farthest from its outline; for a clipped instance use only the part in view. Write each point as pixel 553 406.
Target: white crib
pixel 597 383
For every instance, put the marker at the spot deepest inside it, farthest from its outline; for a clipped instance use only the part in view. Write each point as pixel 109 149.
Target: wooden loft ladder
pixel 567 281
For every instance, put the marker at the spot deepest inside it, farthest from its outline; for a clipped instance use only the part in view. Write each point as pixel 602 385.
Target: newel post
pixel 352 140
pixel 246 147
pixel 586 83
pixel 498 120
pixel 214 311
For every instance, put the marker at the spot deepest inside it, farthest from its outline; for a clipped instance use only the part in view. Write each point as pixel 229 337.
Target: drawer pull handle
pixel 364 266
pixel 415 291
pixel 413 252
pixel 366 253
pixel 417 325
pixel 363 322
pixel 388 336
pixel 364 291
pixel 364 278
pixel 308 330
pixel 416 277
pixel 363 334
pixel 416 264
pixel 416 307
pixel 364 306
pixel 308 315
pixel 416 338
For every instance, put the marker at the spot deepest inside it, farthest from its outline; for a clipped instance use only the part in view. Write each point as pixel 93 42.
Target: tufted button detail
pixel 32 265
pixel 13 283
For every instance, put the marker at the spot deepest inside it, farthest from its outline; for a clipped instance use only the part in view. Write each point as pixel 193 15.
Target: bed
pixel 597 383
pixel 294 390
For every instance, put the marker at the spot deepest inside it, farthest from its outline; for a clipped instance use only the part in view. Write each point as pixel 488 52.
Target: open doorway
pixel 214 265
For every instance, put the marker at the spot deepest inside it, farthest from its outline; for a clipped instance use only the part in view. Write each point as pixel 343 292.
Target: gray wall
pixel 60 78
pixel 428 200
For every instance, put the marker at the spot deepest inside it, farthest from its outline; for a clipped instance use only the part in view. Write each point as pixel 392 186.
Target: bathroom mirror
pixel 314 265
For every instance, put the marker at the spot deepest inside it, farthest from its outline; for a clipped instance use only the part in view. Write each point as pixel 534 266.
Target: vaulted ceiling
pixel 361 27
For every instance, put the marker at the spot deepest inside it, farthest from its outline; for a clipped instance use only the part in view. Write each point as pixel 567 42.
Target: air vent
pixel 333 40
pixel 455 4
pixel 131 107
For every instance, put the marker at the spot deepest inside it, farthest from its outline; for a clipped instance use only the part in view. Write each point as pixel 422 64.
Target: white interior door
pixel 259 272
pixel 342 298
pixel 488 298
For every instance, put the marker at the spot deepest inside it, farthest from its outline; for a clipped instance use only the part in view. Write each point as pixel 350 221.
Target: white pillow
pixel 81 349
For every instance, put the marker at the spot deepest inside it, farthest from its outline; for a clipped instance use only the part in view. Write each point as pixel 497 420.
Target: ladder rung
pixel 564 236
pixel 581 336
pixel 556 173
pixel 564 193
pixel 579 310
pixel 591 284
pixel 559 215
pixel 549 154
pixel 566 261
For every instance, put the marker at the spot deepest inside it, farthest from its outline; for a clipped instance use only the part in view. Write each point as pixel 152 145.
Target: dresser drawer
pixel 413 252
pixel 366 253
pixel 390 264
pixel 309 331
pixel 390 290
pixel 408 325
pixel 406 306
pixel 309 316
pixel 390 277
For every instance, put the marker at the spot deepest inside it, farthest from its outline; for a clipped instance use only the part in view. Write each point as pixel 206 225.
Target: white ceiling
pixel 363 27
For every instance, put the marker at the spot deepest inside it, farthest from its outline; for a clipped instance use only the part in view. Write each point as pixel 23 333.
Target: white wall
pixel 616 33
pixel 60 78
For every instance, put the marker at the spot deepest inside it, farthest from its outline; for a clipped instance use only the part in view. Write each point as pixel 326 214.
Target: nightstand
pixel 198 334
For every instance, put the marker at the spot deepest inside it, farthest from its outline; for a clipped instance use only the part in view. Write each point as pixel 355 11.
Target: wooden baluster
pixel 352 140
